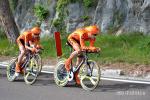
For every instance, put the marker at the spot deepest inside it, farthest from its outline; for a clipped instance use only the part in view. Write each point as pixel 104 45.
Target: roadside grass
pixel 129 48
pixel 133 48
pixel 7 49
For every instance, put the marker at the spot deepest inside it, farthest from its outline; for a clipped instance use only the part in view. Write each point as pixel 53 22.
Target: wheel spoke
pixel 32 71
pixel 33 74
pixel 92 80
pixel 60 74
pixel 89 75
pixel 27 75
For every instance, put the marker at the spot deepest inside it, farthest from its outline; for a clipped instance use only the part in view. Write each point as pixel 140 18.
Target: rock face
pixel 118 15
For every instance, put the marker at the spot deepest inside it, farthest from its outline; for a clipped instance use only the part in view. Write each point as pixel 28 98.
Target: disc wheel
pixel 60 74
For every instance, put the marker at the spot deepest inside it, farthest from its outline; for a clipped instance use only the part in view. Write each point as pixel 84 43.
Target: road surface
pixel 45 89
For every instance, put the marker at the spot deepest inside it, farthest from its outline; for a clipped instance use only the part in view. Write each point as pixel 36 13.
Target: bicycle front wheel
pixel 33 69
pixel 60 74
pixel 89 75
pixel 11 70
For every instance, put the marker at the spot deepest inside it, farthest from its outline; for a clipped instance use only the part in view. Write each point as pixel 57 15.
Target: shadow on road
pixel 116 86
pixel 44 80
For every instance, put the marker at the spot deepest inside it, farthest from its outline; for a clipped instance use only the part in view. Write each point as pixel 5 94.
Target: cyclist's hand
pixel 39 47
pixel 94 49
pixel 34 50
pixel 98 49
pixel 85 48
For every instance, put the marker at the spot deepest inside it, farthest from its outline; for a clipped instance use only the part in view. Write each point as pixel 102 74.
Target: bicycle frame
pixel 26 62
pixel 28 56
pixel 84 60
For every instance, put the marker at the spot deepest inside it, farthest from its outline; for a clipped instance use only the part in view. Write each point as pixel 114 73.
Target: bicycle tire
pixel 60 78
pixel 10 70
pixel 89 82
pixel 32 70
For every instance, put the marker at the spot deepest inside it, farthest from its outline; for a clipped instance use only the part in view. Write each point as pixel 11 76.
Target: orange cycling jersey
pixel 81 35
pixel 26 37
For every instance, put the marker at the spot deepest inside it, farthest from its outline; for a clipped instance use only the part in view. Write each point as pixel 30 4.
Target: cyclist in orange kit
pixel 28 40
pixel 77 40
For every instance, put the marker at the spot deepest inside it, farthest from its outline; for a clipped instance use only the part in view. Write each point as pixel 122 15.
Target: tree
pixel 8 22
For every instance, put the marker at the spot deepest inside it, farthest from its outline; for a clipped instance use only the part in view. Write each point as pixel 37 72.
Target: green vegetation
pixel 7 49
pixel 85 18
pixel 62 13
pixel 130 48
pixel 62 10
pixel 61 4
pixel 88 3
pixel 40 12
pixel 133 48
pixel 2 34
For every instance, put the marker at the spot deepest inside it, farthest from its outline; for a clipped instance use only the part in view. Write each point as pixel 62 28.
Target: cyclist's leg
pixel 77 78
pixel 79 59
pixel 76 51
pixel 20 57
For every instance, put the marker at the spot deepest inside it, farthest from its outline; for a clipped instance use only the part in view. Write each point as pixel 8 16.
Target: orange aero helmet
pixel 36 30
pixel 93 29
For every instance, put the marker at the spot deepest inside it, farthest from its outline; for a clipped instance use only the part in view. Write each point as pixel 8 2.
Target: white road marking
pixel 125 80
pixel 119 79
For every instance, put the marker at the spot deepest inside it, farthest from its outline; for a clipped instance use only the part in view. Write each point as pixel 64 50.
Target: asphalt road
pixel 45 89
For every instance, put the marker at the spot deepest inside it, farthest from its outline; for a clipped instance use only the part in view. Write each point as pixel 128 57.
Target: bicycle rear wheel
pixel 89 75
pixel 32 70
pixel 60 74
pixel 11 70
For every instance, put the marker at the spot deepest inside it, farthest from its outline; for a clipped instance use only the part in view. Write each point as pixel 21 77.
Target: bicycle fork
pixel 90 68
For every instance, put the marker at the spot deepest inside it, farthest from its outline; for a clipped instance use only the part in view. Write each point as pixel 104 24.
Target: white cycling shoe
pixel 15 75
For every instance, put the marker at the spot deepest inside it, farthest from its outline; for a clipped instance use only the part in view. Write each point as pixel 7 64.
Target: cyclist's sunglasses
pixel 94 34
pixel 36 35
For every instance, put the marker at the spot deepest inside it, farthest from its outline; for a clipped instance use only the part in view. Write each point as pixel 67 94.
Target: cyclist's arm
pixel 92 41
pixel 28 47
pixel 38 44
pixel 27 42
pixel 82 42
pixel 92 48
